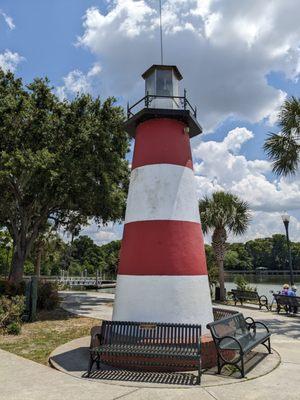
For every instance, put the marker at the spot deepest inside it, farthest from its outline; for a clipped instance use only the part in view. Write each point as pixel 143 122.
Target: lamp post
pixel 286 219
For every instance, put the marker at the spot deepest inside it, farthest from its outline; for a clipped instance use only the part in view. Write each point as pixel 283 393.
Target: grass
pixel 52 329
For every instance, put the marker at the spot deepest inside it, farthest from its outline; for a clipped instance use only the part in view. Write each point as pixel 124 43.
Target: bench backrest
pixel 234 325
pixel 149 333
pixel 246 294
pixel 220 313
pixel 286 300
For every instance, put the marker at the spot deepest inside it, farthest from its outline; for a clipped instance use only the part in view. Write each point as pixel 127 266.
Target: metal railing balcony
pixel 181 103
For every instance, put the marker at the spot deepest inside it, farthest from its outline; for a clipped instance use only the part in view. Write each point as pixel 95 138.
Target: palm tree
pixel 283 148
pixel 223 213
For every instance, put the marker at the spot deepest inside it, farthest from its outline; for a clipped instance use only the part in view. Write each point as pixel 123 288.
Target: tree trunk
pixel 221 280
pixel 219 238
pixel 38 260
pixel 18 260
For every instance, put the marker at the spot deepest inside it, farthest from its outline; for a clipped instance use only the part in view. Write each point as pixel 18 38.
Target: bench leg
pixel 242 367
pixel 199 371
pixel 91 363
pixel 98 361
pixel 268 346
pixel 219 364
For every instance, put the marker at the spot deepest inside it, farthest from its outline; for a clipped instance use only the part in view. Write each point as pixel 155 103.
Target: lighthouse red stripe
pixel 162 247
pixel 162 141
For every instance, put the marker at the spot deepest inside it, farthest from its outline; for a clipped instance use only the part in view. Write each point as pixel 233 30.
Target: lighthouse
pixel 162 273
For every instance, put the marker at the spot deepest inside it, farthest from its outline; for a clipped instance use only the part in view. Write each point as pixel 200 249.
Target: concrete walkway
pixel 26 380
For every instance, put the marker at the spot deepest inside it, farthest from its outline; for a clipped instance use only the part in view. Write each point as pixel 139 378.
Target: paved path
pixel 26 380
pixel 88 304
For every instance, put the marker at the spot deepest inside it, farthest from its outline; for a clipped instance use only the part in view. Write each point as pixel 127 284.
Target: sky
pixel 239 61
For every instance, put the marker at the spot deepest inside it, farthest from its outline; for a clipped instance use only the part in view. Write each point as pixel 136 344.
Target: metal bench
pixel 247 295
pixel 148 344
pixel 288 303
pixel 234 337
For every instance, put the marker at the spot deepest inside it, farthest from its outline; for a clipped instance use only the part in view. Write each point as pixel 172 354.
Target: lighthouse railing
pixel 180 101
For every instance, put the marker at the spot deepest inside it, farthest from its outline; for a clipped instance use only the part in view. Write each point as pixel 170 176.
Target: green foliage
pixel 83 254
pixel 5 252
pixel 238 257
pixel 263 253
pixel 14 328
pixel 28 268
pixel 243 284
pixel 59 160
pixel 283 149
pixel 212 268
pixel 110 258
pixel 49 248
pixel 48 298
pixel 11 310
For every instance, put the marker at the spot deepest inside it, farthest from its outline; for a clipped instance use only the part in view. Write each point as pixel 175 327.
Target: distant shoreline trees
pixel 83 254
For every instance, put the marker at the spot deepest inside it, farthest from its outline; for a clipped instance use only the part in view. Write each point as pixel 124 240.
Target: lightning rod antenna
pixel 161 36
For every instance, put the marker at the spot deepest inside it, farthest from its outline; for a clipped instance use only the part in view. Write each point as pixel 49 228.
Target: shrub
pixel 243 284
pixel 11 289
pixel 11 310
pixel 48 298
pixel 14 328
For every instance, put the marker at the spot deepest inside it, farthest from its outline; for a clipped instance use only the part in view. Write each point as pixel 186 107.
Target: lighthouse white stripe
pixel 162 192
pixel 178 299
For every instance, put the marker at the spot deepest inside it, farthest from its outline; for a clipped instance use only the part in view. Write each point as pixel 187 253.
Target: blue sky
pixel 239 61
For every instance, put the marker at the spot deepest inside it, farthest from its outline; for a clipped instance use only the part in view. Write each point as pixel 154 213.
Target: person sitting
pixel 285 289
pixel 292 293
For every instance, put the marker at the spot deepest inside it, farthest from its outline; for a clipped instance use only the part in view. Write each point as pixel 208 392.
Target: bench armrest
pixel 232 338
pixel 263 298
pixel 251 319
pixel 99 337
pixel 255 323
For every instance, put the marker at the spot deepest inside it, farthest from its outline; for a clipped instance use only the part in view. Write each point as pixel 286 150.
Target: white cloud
pixel 219 166
pixel 104 234
pixel 224 50
pixel 9 21
pixel 267 224
pixel 76 82
pixel 9 60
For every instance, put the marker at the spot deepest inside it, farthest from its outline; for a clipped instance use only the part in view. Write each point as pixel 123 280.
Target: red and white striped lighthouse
pixel 162 275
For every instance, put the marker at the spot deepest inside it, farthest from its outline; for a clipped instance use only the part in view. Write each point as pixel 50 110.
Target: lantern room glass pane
pixel 164 85
pixel 150 84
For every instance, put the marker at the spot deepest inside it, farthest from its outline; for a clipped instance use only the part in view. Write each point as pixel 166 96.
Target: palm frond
pixel 282 149
pixel 284 152
pixel 224 211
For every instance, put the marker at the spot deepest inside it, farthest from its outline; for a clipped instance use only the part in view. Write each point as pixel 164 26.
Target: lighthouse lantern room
pixel 162 99
pixel 162 85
